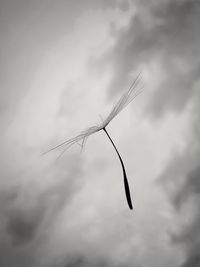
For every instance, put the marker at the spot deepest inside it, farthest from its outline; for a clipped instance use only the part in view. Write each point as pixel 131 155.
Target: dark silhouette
pixel 81 138
pixel 126 186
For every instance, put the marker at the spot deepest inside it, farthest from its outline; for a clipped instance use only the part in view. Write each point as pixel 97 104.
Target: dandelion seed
pixel 81 139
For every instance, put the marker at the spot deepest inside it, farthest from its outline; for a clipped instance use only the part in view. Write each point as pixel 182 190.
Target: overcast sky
pixel 62 64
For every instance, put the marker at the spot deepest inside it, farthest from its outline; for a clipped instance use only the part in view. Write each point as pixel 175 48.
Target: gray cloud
pixel 191 187
pixel 190 236
pixel 22 225
pixel 166 34
pixel 181 180
pixel 28 29
pixel 28 211
pixel 29 207
pixel 87 261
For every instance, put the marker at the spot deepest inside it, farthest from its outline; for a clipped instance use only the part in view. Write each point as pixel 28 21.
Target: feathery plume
pixel 81 139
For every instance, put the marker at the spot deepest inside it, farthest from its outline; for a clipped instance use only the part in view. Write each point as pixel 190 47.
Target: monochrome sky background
pixel 62 64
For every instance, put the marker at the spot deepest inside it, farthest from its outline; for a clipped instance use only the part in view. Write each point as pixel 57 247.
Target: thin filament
pixel 126 185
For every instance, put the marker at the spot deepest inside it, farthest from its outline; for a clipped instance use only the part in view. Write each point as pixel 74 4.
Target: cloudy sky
pixel 62 64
